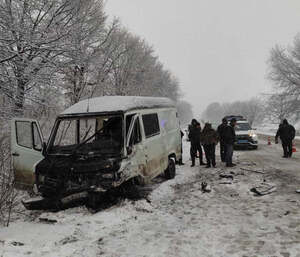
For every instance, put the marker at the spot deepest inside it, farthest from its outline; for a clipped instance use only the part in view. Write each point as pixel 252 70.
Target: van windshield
pixel 93 135
pixel 242 127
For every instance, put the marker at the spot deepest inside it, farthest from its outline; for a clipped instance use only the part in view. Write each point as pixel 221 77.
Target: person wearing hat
pixel 194 136
pixel 221 131
pixel 229 139
pixel 286 132
pixel 209 139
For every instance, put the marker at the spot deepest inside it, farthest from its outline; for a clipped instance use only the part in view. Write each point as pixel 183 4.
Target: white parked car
pixel 245 135
pixel 96 145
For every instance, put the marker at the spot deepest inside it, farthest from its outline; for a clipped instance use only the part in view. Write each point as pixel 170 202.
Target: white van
pixel 98 144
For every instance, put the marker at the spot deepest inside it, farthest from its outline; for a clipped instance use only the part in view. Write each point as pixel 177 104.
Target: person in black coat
pixel 229 139
pixel 180 162
pixel 221 131
pixel 286 132
pixel 194 136
pixel 209 139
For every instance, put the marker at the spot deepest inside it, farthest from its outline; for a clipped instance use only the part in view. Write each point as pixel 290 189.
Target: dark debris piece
pixel 226 176
pixel 47 221
pixel 205 188
pixel 14 243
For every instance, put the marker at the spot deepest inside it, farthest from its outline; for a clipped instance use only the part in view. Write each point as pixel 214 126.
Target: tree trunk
pixel 19 98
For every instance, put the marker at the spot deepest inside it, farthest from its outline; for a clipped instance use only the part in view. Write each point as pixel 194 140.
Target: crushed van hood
pixel 61 175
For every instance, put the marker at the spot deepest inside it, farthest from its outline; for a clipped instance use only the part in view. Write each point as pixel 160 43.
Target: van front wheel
pixel 171 170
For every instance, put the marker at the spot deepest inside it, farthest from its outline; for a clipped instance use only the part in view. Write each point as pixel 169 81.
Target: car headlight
pixel 253 135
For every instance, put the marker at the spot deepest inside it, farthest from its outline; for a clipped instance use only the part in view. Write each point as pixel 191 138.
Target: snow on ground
pixel 179 219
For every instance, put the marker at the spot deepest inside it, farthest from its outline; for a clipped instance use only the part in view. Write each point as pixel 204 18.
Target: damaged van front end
pixel 84 153
pixel 62 176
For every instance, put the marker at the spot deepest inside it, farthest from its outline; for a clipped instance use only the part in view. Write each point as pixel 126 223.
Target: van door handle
pixel 15 154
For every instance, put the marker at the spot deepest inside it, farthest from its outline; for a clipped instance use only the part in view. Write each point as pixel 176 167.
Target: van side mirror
pixel 44 149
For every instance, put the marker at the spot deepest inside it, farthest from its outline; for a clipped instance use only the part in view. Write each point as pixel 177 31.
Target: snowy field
pixel 271 129
pixel 178 219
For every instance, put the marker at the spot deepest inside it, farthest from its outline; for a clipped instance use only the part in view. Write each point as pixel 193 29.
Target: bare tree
pixel 33 36
pixel 79 65
pixel 185 112
pixel 280 106
pixel 135 70
pixel 285 74
pixel 252 110
pixel 213 112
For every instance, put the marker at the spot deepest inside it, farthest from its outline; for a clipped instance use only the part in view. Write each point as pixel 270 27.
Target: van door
pixel 134 145
pixel 153 145
pixel 26 150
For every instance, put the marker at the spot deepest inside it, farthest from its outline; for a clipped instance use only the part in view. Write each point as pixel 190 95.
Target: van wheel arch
pixel 173 156
pixel 139 180
pixel 170 172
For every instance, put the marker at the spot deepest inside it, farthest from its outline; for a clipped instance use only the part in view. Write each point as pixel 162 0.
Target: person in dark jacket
pixel 194 136
pixel 209 139
pixel 221 131
pixel 229 139
pixel 180 160
pixel 286 132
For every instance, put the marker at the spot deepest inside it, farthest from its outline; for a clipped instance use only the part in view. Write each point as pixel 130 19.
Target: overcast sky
pixel 218 49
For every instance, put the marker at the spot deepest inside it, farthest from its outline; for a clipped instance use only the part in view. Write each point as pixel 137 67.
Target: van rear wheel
pixel 170 172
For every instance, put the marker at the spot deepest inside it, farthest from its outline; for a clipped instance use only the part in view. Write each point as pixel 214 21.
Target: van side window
pixel 151 124
pixel 136 132
pixel 136 135
pixel 24 133
pixel 37 141
pixel 128 121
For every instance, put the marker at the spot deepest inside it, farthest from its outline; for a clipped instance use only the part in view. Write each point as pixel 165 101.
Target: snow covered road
pixel 179 219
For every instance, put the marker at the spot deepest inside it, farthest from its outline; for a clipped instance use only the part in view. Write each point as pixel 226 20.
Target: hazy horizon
pixel 217 49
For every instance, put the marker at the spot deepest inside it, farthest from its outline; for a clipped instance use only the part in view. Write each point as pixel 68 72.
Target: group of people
pixel 225 134
pixel 209 138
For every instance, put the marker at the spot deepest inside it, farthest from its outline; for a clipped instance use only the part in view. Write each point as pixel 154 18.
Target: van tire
pixel 140 181
pixel 170 172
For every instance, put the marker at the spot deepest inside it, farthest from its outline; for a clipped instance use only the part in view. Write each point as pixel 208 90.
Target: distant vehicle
pixel 236 117
pixel 96 145
pixel 245 135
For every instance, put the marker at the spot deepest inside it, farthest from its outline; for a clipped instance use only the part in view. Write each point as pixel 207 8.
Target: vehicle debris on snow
pixel 263 189
pixel 261 171
pixel 205 188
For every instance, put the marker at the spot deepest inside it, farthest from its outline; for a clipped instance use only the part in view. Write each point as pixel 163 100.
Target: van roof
pixel 117 104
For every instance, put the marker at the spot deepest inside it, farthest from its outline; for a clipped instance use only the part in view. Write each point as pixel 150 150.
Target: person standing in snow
pixel 209 139
pixel 229 139
pixel 194 136
pixel 286 132
pixel 221 131
pixel 180 160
